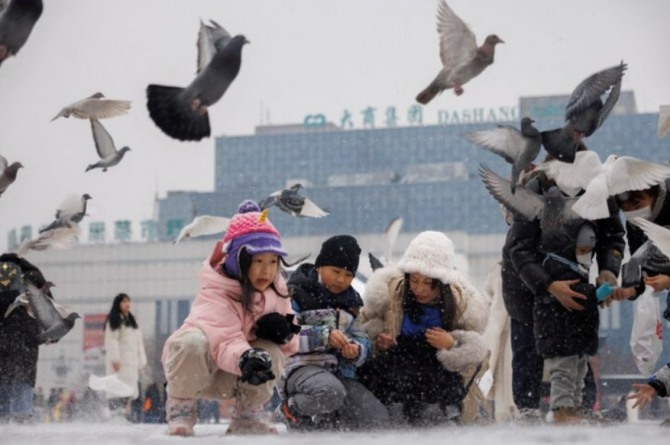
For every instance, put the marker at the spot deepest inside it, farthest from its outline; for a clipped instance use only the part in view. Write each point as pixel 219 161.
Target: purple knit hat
pixel 249 229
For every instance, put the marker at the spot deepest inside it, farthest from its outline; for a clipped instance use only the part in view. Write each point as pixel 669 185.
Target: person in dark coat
pixel 524 278
pixel 18 340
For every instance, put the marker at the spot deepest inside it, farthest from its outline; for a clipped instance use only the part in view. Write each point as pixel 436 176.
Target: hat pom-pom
pixel 248 206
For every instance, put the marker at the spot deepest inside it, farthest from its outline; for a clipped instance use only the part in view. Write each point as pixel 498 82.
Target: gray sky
pixel 305 56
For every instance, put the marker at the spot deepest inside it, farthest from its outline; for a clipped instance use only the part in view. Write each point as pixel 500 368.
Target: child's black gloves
pixel 276 327
pixel 256 366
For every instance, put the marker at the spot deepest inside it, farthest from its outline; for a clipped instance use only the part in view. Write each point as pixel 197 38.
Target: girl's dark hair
pixel 446 304
pixel 248 290
pixel 114 318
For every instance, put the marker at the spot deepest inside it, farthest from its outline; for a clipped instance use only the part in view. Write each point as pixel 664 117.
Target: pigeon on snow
pixel 111 384
pixel 7 173
pixel 56 238
pixel 95 107
pixel 585 112
pixel 181 113
pixel 211 39
pixel 663 121
pixel 16 24
pixel 519 148
pixel 203 225
pixel 293 203
pixel 461 58
pixel 55 320
pixel 599 181
pixel 104 145
pixel 72 210
pixel 554 210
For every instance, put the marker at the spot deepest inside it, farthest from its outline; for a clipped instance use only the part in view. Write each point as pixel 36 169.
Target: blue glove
pixel 604 291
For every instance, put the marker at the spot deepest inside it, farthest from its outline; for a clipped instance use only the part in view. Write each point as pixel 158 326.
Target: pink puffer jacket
pixel 217 311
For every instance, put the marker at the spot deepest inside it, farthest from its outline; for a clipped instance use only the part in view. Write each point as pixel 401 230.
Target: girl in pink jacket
pixel 239 331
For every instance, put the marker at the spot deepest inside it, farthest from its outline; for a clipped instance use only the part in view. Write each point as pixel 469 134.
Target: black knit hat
pixel 340 251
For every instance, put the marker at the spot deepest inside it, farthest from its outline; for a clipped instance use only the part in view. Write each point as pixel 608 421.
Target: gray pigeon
pixel 54 324
pixel 519 148
pixel 211 39
pixel 181 113
pixel 585 112
pixel 293 203
pixel 72 210
pixel 461 58
pixel 104 145
pixel 553 209
pixel 16 24
pixel 7 173
pixel 58 238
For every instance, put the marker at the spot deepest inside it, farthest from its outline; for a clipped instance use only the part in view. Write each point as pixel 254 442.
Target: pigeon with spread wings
pixel 104 145
pixel 7 173
pixel 293 203
pixel 202 226
pixel 96 106
pixel 462 60
pixel 72 210
pixel 16 23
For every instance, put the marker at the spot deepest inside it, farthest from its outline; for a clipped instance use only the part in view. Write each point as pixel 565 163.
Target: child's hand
pixel 350 351
pixel 659 282
pixel 562 291
pixel 606 276
pixel 385 341
pixel 623 293
pixel 438 338
pixel 644 395
pixel 337 339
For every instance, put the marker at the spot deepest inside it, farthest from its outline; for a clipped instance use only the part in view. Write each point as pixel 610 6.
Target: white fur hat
pixel 431 254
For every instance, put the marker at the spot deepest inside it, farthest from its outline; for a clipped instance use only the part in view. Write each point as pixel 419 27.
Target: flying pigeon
pixel 95 107
pixel 104 145
pixel 649 256
pixel 663 121
pixel 519 148
pixel 203 225
pixel 57 238
pixel 7 173
pixel 182 112
pixel 461 58
pixel 554 210
pixel 293 203
pixel 391 234
pixel 211 39
pixel 585 112
pixel 16 24
pixel 659 235
pixel 55 320
pixel 111 384
pixel 599 181
pixel 71 210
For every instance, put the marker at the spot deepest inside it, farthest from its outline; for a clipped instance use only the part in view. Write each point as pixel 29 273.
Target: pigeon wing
pixel 204 225
pixel 627 173
pixel 505 141
pixel 592 88
pixel 219 35
pixel 102 108
pixel 392 232
pixel 310 209
pixel 572 178
pixel 375 263
pixel 458 44
pixel 104 144
pixel 42 306
pixel 210 40
pixel 609 104
pixel 663 121
pixel 523 202
pixel 58 238
pixel 658 235
pixel 3 164
pixel 71 206
pixel 270 200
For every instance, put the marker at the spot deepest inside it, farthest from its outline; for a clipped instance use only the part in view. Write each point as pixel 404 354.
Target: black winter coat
pixel 526 254
pixel 18 332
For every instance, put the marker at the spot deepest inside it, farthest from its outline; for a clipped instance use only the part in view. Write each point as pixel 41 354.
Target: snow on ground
pixel 127 434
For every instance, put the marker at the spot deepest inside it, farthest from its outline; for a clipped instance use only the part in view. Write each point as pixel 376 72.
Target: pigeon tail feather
pixel 174 116
pixel 560 145
pixel 429 93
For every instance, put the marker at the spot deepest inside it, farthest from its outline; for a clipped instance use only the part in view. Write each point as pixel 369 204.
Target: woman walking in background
pixel 124 348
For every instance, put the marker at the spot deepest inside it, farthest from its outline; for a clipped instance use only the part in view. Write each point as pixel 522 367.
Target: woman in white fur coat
pixel 124 348
pixel 425 321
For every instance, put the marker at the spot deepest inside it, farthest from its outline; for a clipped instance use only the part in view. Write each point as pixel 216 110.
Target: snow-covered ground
pixel 122 434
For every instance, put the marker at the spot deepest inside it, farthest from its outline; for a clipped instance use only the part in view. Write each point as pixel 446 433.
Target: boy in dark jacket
pixel 319 383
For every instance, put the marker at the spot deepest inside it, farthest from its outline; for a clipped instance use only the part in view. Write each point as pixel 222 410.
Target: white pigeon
pixel 659 236
pixel 569 177
pixel 204 225
pixel 104 145
pixel 392 232
pixel 111 384
pixel 56 238
pixel 618 174
pixel 95 107
pixel 663 121
pixel 211 38
pixel 71 210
